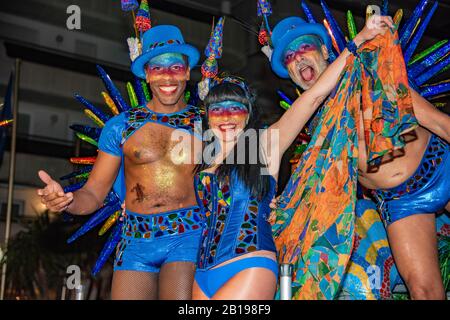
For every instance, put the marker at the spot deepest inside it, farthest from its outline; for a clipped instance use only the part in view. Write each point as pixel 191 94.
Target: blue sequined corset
pixel 236 222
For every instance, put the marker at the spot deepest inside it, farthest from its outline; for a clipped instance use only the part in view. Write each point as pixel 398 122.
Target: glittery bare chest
pixel 154 142
pixel 152 137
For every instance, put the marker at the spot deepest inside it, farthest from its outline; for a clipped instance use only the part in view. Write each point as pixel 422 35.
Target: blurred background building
pixel 57 62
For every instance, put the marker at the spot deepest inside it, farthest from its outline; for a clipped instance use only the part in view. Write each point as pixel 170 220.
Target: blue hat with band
pixel 160 40
pixel 286 31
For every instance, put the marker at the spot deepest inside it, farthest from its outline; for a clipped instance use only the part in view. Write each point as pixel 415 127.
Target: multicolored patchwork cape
pixel 316 217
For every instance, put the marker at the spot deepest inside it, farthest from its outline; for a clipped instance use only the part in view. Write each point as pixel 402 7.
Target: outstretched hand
pixel 52 195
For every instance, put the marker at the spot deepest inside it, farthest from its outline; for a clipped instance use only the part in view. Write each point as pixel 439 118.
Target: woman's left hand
pixel 272 217
pixel 273 213
pixel 273 203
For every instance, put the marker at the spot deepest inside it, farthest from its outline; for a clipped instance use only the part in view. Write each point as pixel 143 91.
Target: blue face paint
pixel 230 108
pixel 171 64
pixel 301 45
pixel 167 59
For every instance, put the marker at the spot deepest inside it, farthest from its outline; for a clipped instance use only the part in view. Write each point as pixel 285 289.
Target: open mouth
pixel 168 89
pixel 227 127
pixel 307 73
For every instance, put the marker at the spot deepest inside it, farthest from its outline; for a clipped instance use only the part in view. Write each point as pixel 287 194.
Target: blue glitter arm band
pixel 351 46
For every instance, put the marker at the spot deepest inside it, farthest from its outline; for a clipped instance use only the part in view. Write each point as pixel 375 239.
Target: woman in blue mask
pixel 236 182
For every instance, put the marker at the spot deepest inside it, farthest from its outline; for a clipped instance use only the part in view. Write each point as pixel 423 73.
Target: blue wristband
pixel 351 46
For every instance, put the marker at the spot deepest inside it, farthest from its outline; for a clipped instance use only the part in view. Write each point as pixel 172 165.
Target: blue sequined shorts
pixel 152 240
pixel 426 191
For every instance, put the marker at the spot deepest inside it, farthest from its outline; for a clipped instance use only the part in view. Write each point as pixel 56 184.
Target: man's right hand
pixel 52 195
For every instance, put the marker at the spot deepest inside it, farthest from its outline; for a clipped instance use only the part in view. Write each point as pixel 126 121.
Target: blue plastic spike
pixel 109 247
pixel 408 28
pixel 91 132
pixel 91 107
pixel 417 68
pixel 385 8
pixel 417 12
pixel 418 36
pixel 85 169
pixel 103 117
pixel 74 187
pixel 308 12
pixel 139 92
pixel 337 32
pixel 100 216
pixel 435 90
pixel 431 72
pixel 284 97
pixel 112 90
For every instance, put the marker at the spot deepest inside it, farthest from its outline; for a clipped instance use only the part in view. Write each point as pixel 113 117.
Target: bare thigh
pixel 250 284
pixel 414 246
pixel 197 293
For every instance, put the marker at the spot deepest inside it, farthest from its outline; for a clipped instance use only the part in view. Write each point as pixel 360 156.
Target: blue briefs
pixel 426 191
pixel 210 281
pixel 151 240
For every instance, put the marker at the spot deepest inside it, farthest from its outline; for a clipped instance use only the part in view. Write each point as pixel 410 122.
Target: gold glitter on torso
pixel 150 162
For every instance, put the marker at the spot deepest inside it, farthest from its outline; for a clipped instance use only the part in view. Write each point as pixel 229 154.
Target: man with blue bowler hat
pixel 301 51
pixel 156 256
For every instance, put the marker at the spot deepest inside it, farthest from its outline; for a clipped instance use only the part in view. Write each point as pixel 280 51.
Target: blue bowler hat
pixel 286 31
pixel 159 40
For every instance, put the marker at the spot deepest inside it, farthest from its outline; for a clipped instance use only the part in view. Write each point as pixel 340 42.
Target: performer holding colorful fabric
pixel 315 224
pixel 236 184
pixel 161 226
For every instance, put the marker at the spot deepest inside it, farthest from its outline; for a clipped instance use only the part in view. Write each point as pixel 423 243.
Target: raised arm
pixel 430 117
pixel 294 119
pixel 87 199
